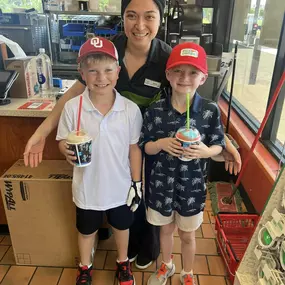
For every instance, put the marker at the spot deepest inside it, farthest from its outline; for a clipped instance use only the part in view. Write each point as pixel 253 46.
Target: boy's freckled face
pixel 185 78
pixel 100 76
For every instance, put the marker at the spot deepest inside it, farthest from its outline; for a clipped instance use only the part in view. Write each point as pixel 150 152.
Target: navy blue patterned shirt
pixel 177 185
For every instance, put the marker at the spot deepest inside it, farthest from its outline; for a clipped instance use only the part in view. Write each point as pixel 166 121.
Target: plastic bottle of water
pixel 44 71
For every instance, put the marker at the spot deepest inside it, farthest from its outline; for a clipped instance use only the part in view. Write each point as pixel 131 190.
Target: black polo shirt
pixel 177 185
pixel 146 84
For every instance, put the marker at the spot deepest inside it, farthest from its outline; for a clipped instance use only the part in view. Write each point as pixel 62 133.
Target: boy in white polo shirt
pixel 112 183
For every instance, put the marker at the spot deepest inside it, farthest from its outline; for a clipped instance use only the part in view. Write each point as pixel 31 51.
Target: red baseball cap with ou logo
pixel 188 53
pixel 97 45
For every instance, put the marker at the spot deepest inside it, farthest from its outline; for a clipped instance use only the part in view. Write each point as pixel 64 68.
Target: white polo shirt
pixel 105 183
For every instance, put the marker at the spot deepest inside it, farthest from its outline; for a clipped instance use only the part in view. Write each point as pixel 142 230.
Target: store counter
pixel 34 107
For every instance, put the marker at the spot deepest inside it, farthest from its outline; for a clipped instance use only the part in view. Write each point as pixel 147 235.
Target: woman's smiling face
pixel 141 22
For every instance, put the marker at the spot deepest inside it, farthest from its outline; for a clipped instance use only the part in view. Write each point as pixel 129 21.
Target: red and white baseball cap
pixel 97 45
pixel 188 53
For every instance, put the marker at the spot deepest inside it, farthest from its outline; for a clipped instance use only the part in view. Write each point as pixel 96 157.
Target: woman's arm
pixel 35 146
pixel 135 162
pixel 50 123
pixel 232 157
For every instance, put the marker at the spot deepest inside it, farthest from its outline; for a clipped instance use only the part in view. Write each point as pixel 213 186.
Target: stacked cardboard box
pixel 40 213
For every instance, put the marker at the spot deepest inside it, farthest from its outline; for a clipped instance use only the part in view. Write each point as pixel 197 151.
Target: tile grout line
pixel 208 265
pixel 93 262
pixel 114 279
pixel 215 275
pixel 105 261
pixel 2 239
pixel 198 281
pixel 213 229
pixel 6 273
pixel 62 269
pixel 208 238
pixel 5 253
pixel 224 278
pixel 33 275
pixel 202 231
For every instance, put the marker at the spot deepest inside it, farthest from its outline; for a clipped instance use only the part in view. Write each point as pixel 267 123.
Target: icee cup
pixel 81 144
pixel 187 137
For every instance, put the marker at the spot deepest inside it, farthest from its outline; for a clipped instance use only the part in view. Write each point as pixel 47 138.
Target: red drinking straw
pixel 79 115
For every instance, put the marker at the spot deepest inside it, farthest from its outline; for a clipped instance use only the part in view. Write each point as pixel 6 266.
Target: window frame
pixel 269 134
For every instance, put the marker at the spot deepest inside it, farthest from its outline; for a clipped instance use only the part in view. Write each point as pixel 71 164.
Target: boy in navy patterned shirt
pixel 177 188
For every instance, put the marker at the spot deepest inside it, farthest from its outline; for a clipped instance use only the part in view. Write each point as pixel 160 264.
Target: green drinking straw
pixel 188 111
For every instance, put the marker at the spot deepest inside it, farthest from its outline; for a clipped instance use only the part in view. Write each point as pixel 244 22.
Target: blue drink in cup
pixel 81 144
pixel 187 137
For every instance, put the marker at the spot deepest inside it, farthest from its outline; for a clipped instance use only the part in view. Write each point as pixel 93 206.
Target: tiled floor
pixel 209 268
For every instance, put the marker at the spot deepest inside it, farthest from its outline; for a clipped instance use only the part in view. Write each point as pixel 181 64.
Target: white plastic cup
pixel 81 144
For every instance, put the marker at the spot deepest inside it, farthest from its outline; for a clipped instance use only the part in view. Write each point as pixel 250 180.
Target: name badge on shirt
pixel 152 83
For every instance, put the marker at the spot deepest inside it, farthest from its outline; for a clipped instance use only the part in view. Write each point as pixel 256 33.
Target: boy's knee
pixel 86 236
pixel 187 237
pixel 121 231
pixel 167 229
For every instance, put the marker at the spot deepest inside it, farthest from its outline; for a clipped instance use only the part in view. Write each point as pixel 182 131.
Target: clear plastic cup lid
pixel 191 134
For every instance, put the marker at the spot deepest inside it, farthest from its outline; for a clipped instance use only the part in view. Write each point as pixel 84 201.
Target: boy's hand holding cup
pixel 170 145
pixel 188 137
pixel 69 154
pixel 196 151
pixel 80 145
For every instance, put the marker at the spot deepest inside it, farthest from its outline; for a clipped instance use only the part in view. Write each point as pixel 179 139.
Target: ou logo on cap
pixel 96 42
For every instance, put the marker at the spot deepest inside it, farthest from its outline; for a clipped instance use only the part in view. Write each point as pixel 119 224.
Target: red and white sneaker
pixel 124 273
pixel 84 275
pixel 187 279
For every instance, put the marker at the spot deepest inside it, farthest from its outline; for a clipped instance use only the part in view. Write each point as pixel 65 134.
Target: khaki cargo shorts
pixel 186 224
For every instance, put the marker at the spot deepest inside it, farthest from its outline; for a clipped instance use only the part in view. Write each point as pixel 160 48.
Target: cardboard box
pixel 41 214
pixel 26 85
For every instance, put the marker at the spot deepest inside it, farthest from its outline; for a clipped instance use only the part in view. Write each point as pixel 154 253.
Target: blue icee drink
pixel 81 144
pixel 187 137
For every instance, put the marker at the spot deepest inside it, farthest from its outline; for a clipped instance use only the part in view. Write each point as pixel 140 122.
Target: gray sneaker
pixel 161 275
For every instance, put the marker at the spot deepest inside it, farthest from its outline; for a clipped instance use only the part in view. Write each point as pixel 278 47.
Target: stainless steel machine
pixel 185 24
pixel 29 30
pixel 69 30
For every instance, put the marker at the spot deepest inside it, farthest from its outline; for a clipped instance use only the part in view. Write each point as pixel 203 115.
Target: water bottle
pixel 44 71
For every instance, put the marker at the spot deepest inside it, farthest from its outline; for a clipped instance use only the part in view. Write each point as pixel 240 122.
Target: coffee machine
pixel 185 24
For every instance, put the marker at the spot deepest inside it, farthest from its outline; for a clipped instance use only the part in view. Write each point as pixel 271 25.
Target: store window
pixel 10 6
pixel 281 127
pixel 113 6
pixel 108 6
pixel 208 15
pixel 256 26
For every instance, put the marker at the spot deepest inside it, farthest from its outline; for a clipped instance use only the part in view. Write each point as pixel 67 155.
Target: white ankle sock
pixel 119 261
pixel 80 265
pixel 169 264
pixel 184 272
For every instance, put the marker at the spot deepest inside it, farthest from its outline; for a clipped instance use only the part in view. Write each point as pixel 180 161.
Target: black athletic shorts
pixel 89 221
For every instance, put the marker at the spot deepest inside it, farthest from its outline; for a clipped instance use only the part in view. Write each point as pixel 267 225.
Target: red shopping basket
pixel 234 232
